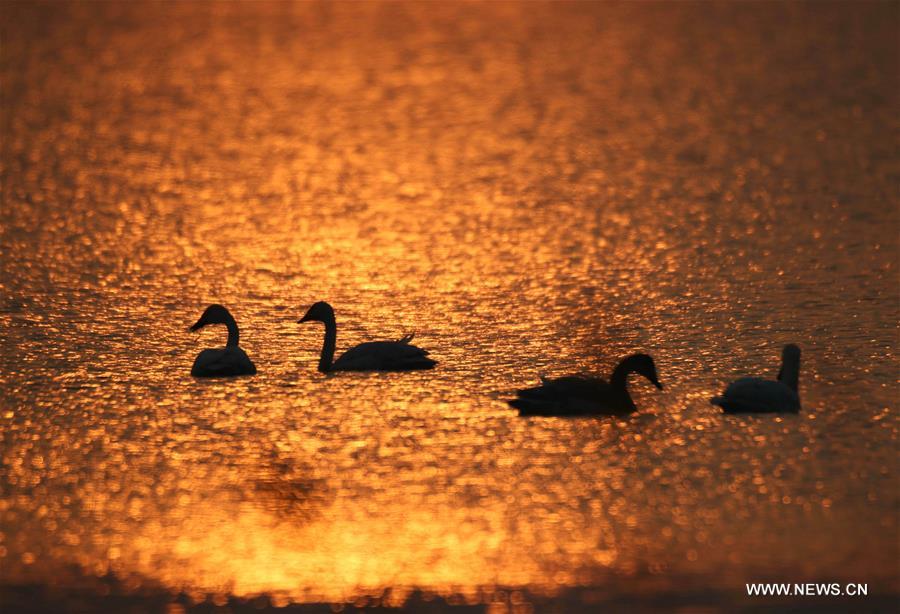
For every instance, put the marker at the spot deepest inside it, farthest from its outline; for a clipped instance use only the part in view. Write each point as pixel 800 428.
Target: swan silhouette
pixel 221 362
pixel 754 394
pixel 586 396
pixel 397 355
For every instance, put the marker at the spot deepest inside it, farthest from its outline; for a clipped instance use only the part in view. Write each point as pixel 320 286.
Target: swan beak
pixel 303 319
pixel 197 326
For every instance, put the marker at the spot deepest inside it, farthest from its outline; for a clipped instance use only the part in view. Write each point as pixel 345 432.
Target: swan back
pixel 567 396
pixel 757 395
pixel 384 356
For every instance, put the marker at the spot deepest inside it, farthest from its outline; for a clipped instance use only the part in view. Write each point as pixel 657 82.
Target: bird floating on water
pixel 586 396
pixel 757 395
pixel 221 362
pixel 397 355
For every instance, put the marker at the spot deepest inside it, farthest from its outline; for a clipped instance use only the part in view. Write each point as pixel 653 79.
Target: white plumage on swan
pixel 757 395
pixel 397 355
pixel 221 362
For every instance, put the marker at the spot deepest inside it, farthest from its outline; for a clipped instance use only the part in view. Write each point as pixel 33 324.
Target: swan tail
pixel 538 393
pixel 536 401
pixel 413 357
pixel 413 352
pixel 417 363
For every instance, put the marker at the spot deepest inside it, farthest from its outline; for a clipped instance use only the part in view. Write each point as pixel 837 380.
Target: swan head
pixel 789 374
pixel 790 353
pixel 319 312
pixel 214 314
pixel 643 364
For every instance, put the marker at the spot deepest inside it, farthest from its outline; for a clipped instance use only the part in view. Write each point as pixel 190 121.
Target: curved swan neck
pixel 327 357
pixel 233 334
pixel 790 372
pixel 619 380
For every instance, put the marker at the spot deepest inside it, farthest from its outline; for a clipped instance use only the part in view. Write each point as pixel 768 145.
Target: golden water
pixel 531 189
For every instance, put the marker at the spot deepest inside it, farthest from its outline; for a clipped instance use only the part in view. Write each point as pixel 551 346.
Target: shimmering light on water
pixel 531 189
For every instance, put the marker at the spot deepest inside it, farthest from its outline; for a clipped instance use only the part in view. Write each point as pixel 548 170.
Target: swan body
pixel 586 396
pixel 398 355
pixel 221 362
pixel 757 395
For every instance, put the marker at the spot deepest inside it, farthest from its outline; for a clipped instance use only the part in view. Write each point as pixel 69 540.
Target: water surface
pixel 531 189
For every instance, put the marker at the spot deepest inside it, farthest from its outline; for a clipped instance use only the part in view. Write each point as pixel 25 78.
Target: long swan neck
pixel 327 357
pixel 233 334
pixel 619 379
pixel 790 372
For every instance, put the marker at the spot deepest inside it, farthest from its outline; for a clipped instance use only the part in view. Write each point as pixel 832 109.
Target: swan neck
pixel 619 380
pixel 233 334
pixel 327 357
pixel 790 372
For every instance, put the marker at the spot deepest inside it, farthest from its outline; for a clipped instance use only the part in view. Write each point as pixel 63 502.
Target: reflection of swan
pixel 373 356
pixel 585 396
pixel 754 394
pixel 230 360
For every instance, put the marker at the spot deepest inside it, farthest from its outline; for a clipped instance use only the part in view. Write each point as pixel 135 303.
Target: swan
pixel 586 396
pixel 397 355
pixel 219 362
pixel 754 394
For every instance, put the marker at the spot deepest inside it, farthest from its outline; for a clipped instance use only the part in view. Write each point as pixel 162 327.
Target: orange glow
pixel 531 189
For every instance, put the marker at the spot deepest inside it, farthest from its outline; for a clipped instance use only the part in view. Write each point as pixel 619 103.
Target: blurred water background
pixel 531 188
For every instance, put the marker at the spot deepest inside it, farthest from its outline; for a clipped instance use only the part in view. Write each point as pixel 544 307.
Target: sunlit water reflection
pixel 531 189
